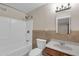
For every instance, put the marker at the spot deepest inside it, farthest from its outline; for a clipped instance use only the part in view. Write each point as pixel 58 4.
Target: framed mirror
pixel 63 25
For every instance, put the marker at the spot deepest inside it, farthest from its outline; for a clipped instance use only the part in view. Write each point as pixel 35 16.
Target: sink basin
pixel 64 46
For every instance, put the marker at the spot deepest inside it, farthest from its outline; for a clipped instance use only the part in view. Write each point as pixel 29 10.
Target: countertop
pixel 74 47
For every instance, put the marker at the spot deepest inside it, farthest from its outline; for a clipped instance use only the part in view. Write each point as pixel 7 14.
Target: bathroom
pixel 25 24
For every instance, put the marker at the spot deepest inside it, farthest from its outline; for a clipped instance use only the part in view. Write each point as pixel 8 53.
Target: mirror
pixel 63 25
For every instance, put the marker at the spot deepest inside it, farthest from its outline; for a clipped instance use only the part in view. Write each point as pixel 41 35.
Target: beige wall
pixel 44 24
pixel 44 17
pixel 75 17
pixel 10 12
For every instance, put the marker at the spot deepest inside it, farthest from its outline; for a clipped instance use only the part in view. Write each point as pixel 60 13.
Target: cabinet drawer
pixel 52 52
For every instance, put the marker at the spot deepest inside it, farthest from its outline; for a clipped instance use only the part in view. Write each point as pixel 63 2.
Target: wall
pixel 10 12
pixel 44 23
pixel 43 18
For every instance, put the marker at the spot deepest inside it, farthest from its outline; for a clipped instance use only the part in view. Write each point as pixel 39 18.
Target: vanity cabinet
pixel 51 52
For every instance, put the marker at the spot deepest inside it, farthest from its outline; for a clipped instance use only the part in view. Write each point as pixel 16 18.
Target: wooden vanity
pixel 54 49
pixel 52 52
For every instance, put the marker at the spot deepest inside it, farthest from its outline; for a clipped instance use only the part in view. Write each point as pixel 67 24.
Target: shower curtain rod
pixel 13 8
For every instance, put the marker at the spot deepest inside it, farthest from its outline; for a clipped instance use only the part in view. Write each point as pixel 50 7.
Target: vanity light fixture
pixel 62 8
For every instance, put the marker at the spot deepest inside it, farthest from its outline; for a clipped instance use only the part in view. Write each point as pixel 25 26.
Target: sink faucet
pixel 67 37
pixel 62 43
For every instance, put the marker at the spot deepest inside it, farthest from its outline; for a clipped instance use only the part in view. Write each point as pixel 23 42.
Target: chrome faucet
pixel 62 43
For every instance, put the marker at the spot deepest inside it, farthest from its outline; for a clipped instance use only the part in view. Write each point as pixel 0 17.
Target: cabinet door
pixel 51 52
pixel 29 27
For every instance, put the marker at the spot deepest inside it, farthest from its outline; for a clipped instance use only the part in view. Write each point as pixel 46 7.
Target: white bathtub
pixel 18 52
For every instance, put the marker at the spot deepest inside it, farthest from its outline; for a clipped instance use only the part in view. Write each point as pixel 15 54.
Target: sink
pixel 63 46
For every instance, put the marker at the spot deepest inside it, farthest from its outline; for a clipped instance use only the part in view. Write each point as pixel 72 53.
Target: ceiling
pixel 25 7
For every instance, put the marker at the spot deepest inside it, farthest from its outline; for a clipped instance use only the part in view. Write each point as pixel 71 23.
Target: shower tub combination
pixel 15 36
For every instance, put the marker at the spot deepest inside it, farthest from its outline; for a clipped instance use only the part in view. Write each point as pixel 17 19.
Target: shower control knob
pixel 27 40
pixel 28 31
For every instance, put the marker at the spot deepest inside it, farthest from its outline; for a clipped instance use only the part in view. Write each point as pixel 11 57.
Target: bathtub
pixel 22 51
